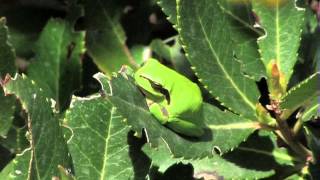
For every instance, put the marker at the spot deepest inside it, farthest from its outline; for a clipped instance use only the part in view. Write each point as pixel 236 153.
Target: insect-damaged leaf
pixel 48 148
pixel 57 67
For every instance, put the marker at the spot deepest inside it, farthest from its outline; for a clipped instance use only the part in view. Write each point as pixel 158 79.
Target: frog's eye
pixel 157 87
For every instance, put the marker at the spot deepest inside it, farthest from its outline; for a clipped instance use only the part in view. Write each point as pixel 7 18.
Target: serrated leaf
pixel 224 130
pixel 302 94
pixel 208 167
pixel 209 48
pixel 105 38
pixel 169 8
pixel 282 22
pixel 245 37
pixel 312 111
pixel 57 65
pixel 48 147
pixel 7 60
pixel 96 123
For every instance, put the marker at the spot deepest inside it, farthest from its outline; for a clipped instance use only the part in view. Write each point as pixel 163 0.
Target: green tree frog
pixel 172 98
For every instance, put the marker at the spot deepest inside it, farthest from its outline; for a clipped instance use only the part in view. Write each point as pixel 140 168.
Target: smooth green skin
pixel 177 110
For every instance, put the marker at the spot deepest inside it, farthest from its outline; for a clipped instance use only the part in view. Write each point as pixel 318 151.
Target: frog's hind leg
pixel 185 127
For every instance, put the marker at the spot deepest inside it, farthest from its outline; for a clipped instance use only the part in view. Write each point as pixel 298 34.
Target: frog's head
pixel 150 82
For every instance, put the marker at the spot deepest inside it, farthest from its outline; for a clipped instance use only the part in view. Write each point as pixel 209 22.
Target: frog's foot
pixel 160 112
pixel 185 127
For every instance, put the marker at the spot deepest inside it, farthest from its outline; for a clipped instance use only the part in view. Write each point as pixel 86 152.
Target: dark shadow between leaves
pixel 245 157
pixel 5 157
pixel 140 161
pixel 178 171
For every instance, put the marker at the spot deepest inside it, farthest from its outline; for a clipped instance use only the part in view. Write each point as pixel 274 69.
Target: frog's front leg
pixel 185 127
pixel 160 112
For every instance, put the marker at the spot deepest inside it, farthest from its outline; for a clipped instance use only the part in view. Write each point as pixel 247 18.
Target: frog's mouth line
pixel 160 89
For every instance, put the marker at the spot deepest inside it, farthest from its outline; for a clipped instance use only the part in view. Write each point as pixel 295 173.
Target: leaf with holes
pixel 105 38
pixel 302 94
pixel 48 147
pixel 282 22
pixel 94 122
pixel 220 126
pixel 56 66
pixel 210 50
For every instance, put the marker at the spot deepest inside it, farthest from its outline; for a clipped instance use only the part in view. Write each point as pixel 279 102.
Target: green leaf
pixel 7 59
pixel 172 55
pixel 15 141
pixel 206 38
pixel 302 94
pixel 7 108
pixel 96 123
pixel 282 23
pixel 245 37
pixel 48 147
pixel 313 141
pixel 169 8
pixel 243 33
pixel 140 53
pixel 7 55
pixel 208 167
pixel 57 65
pixel 261 152
pixel 105 38
pixel 18 168
pixel 220 126
pixel 312 111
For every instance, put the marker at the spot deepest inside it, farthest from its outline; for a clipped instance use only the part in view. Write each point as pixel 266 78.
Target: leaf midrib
pixel 60 42
pixel 242 125
pixel 221 66
pixel 278 60
pixel 271 154
pixel 230 13
pixel 105 156
pixel 114 30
